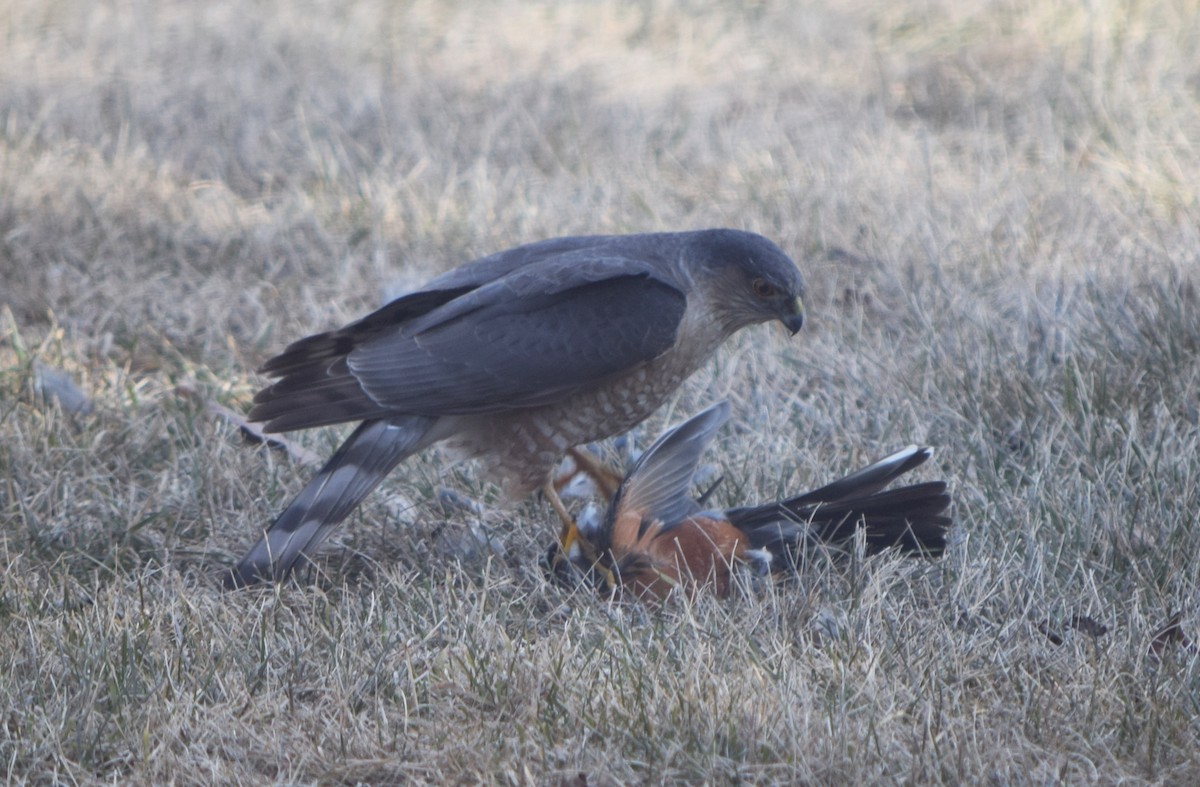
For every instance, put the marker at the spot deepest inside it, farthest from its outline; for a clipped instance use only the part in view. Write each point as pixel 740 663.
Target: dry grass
pixel 996 204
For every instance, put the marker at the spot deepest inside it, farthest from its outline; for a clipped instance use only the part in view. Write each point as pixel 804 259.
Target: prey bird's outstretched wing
pixel 658 486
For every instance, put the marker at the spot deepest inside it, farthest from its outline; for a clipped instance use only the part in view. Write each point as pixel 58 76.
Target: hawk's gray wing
pixel 545 256
pixel 653 248
pixel 524 341
pixel 532 337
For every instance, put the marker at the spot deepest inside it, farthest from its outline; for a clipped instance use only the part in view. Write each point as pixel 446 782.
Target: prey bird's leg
pixel 607 479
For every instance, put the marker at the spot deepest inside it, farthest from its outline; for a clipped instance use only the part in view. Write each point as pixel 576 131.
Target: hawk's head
pixel 747 279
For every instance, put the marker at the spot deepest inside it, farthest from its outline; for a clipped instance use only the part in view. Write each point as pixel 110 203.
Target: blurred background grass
pixel 995 204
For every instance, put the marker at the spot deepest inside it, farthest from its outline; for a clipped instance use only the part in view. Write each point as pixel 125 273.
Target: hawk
pixel 655 537
pixel 514 359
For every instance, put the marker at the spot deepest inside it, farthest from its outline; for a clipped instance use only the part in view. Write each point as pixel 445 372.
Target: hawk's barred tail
pixel 361 462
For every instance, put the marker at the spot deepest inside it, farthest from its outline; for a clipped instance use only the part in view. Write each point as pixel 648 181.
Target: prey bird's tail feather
pixel 911 518
pixel 868 480
pixel 368 454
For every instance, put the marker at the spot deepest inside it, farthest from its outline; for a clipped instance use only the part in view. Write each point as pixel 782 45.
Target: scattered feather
pixel 54 383
pixel 1056 632
pixel 457 503
pixel 1172 636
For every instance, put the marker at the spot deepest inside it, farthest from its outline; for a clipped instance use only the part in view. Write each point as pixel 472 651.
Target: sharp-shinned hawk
pixel 514 358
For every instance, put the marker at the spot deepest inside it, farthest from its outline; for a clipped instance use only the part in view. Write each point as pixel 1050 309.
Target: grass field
pixel 997 208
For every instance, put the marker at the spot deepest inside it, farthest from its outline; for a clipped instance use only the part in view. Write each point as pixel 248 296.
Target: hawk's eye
pixel 764 289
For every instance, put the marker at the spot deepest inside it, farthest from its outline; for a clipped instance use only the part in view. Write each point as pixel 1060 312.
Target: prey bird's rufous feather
pixel 656 537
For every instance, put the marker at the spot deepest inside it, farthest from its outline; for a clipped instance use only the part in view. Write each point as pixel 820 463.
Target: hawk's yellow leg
pixel 607 480
pixel 570 535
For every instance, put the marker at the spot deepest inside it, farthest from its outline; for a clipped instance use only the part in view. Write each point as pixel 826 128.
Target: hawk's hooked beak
pixel 792 316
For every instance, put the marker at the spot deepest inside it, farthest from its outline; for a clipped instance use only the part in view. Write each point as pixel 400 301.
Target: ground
pixel 996 206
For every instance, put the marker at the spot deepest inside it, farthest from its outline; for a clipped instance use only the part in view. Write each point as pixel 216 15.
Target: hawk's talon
pixel 571 539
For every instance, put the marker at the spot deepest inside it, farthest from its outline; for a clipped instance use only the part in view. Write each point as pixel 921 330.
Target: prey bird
pixel 656 537
pixel 515 359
